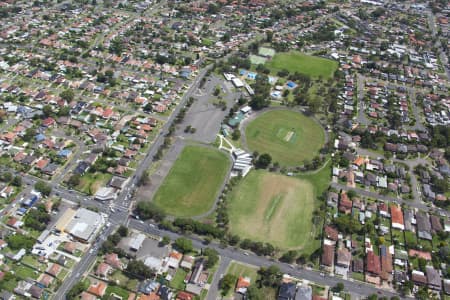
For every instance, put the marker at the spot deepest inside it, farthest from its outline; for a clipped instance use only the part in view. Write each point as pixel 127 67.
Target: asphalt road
pixel 357 288
pixel 120 216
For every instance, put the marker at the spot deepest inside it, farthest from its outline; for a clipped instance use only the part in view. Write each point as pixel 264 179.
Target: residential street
pixel 357 288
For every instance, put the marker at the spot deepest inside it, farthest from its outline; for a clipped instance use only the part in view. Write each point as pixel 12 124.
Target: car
pixel 246 254
pixel 322 274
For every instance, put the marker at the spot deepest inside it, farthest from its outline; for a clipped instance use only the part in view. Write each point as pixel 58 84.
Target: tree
pixel 139 269
pixel 122 231
pixel 227 283
pixel 339 287
pixel 263 161
pixel 212 257
pixel 17 181
pixel 165 241
pixel 67 95
pixel 43 188
pixel 269 277
pixel 74 180
pixel 77 289
pixel 30 133
pixel 19 241
pixel 236 134
pixel 6 177
pixel 289 256
pixel 184 245
pixel 47 110
pixel 147 210
pixel 269 36
pixel 253 293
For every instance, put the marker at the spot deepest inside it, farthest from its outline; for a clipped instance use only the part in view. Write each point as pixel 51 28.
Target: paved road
pixel 120 217
pixel 356 288
pixel 213 292
pixel 369 194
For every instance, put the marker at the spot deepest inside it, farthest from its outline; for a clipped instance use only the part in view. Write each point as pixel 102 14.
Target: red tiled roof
pixel 396 214
pixel 373 263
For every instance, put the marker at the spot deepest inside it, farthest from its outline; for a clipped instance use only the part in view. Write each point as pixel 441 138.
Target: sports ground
pixel 272 208
pixel 288 136
pixel 305 64
pixel 278 209
pixel 193 182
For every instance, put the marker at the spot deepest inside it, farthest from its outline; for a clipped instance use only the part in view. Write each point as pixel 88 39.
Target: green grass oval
pixel 193 182
pixel 288 136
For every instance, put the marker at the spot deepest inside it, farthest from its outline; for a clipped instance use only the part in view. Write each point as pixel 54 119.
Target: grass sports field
pixel 289 137
pixel 302 63
pixel 272 208
pixel 192 184
pixel 278 209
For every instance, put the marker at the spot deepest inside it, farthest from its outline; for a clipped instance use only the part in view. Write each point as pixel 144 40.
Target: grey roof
pixel 84 224
pixel 304 292
pixel 433 277
pixel 423 226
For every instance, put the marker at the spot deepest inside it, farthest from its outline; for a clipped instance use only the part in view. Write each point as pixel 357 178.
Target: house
pixel 419 254
pixel 86 296
pixel 46 280
pixel 345 204
pixel 423 226
pixel 433 278
pixel 328 255
pixel 304 292
pixel 287 291
pixel 103 269
pixel 36 292
pixel 113 260
pixel 418 278
pixel 5 295
pixel 184 296
pixel 332 199
pixel 436 225
pixel 165 293
pixel 197 271
pixel 358 266
pixel 373 264
pixel 53 270
pixel 331 233
pixel 397 217
pixel 48 122
pixel 386 262
pixel 98 288
pixel 187 262
pixel 174 259
pixel 343 258
pixel 242 284
pixel 6 192
pixel 70 247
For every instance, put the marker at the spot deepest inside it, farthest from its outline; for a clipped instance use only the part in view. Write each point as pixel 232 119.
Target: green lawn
pixel 305 64
pixel 117 291
pixel 273 208
pixel 122 280
pixel 192 184
pixel 91 182
pixel 238 269
pixel 288 136
pixel 24 272
pixel 178 280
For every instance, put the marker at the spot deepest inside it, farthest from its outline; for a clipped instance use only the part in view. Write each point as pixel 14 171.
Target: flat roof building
pixel 84 225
